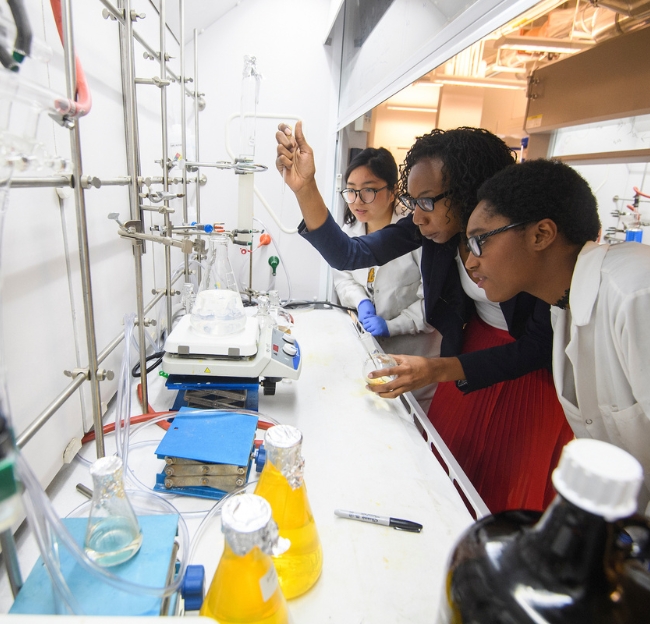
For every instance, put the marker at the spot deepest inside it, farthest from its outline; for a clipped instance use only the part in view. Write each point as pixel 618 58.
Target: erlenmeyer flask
pixel 218 308
pixel 282 484
pixel 245 586
pixel 113 534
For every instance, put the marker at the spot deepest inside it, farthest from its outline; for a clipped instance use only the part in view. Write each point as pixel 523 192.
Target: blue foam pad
pixel 148 567
pixel 210 436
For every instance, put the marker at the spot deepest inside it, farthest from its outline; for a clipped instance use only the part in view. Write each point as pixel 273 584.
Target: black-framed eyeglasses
pixel 366 195
pixel 475 243
pixel 425 203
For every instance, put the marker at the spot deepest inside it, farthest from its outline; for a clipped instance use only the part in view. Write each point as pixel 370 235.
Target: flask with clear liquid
pixel 283 319
pixel 282 484
pixel 245 589
pixel 113 534
pixel 576 563
pixel 218 309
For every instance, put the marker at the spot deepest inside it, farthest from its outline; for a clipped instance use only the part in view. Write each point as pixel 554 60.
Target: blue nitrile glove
pixel 376 326
pixel 365 309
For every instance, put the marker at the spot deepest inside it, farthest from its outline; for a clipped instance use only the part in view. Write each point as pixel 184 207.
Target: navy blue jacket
pixel 447 307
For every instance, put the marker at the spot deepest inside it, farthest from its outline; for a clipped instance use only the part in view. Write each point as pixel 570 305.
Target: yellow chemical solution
pixel 245 587
pixel 239 588
pixel 300 566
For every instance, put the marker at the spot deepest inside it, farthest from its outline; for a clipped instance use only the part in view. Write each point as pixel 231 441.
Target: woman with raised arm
pixel 499 415
pixel 389 299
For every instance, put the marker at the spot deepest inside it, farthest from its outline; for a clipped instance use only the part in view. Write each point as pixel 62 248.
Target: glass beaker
pixel 113 535
pixel 376 362
pixel 245 586
pixel 282 318
pixel 282 484
pixel 218 309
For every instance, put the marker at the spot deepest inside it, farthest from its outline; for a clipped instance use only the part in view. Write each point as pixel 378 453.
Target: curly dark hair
pixel 545 189
pixel 469 156
pixel 382 164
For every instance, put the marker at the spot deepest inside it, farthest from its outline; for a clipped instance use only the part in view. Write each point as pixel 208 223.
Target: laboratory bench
pixel 362 453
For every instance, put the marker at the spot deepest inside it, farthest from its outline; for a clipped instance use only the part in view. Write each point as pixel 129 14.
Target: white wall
pixel 39 328
pixel 300 78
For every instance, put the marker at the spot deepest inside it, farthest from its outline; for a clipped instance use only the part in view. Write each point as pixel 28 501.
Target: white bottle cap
pixel 599 478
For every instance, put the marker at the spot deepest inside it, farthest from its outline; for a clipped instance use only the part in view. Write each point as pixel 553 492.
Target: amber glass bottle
pixel 574 564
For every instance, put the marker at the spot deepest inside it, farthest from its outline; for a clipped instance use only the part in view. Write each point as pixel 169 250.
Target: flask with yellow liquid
pixel 282 484
pixel 245 589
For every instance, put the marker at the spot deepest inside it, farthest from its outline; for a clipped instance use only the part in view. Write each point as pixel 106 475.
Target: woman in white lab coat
pixel 389 299
pixel 547 223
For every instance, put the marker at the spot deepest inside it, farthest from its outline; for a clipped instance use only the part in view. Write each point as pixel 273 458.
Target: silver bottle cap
pixel 246 522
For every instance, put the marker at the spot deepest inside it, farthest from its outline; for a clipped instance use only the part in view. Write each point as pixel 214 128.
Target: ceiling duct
pixel 625 17
pixel 629 9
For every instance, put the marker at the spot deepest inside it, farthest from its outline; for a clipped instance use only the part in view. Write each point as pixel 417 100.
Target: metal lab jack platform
pixel 207 453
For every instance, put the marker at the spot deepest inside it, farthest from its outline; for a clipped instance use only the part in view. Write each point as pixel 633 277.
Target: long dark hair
pixel 469 155
pixel 382 164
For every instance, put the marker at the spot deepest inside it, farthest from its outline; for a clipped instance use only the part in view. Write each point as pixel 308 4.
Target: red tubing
pixel 83 102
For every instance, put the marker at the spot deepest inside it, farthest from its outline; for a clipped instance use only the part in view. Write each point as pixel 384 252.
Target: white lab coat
pixel 399 300
pixel 601 350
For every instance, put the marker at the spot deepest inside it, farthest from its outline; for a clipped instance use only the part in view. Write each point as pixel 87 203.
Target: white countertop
pixel 362 453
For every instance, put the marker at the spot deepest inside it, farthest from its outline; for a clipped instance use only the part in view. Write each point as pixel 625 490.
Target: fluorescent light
pixel 541 44
pixel 412 109
pixel 482 82
pixel 424 83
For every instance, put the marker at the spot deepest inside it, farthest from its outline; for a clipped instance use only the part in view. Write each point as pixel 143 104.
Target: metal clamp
pixel 76 372
pixel 147 322
pixel 135 16
pixel 103 373
pixel 88 181
pixel 106 14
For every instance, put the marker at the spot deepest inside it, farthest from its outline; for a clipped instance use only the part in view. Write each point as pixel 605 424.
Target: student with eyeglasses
pixel 495 406
pixel 534 230
pixel 389 299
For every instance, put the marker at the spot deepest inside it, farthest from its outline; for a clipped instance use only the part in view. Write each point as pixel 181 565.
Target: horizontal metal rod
pixel 54 181
pixel 51 409
pixel 165 240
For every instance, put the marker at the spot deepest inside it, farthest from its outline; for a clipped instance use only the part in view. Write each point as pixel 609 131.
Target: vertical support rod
pixel 82 229
pixel 8 545
pixel 165 158
pixel 181 10
pixel 133 169
pixel 197 156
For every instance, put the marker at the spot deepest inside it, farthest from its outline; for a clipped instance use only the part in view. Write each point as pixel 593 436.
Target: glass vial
pixel 250 93
pixel 218 309
pixel 245 586
pixel 282 484
pixel 113 535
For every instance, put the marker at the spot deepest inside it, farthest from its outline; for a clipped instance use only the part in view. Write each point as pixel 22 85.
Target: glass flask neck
pixel 568 543
pixel 289 462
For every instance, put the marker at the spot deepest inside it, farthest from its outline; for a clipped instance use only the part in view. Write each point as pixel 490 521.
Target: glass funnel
pixel 245 589
pixel 282 484
pixel 113 535
pixel 218 309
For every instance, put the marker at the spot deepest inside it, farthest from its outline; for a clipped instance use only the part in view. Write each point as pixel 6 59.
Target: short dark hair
pixel 469 156
pixel 381 162
pixel 545 189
